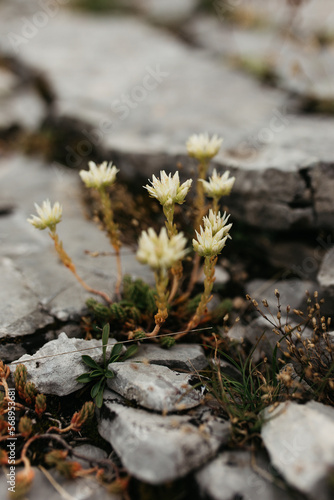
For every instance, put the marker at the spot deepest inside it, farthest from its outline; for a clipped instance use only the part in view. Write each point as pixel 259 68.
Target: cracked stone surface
pixel 156 448
pixel 279 157
pixel 187 357
pixel 154 387
pixel 300 442
pixel 30 270
pixel 231 476
pixel 57 373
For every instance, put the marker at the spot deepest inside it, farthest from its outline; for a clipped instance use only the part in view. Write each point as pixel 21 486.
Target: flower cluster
pixel 202 148
pixel 167 190
pixel 217 222
pixel 218 185
pixel 99 176
pixel 211 240
pixel 159 251
pixel 48 216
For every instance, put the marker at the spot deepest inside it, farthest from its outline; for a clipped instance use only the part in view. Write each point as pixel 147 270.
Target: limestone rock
pixel 231 476
pixel 154 387
pixel 30 269
pixel 326 282
pixel 156 448
pixel 300 442
pixel 187 357
pixel 57 372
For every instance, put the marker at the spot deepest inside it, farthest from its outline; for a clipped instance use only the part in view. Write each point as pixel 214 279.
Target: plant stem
pixel 113 233
pixel 209 271
pixel 161 283
pixel 177 269
pixel 67 261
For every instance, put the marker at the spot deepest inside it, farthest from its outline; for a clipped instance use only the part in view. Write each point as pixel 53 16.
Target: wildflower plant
pixel 100 177
pixel 163 251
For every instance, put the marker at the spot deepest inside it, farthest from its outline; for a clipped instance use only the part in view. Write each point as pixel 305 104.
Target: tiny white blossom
pixel 159 251
pixel 167 190
pixel 209 244
pixel 48 216
pixel 218 185
pixel 217 222
pixel 201 147
pixel 99 176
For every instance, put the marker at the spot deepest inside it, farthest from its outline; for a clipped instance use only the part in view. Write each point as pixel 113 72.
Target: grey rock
pixel 10 352
pixel 171 12
pixel 163 100
pixel 299 65
pixel 189 357
pixel 292 293
pixel 260 332
pixel 83 488
pixel 156 448
pixel 56 373
pixel 300 442
pixel 326 273
pixel 154 387
pixel 326 282
pixel 231 476
pixel 91 452
pixel 23 108
pixel 30 270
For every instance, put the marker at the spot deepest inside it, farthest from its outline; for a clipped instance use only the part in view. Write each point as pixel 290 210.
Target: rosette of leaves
pixel 100 374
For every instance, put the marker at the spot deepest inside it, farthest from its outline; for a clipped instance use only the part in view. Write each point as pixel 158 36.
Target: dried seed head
pixel 265 303
pixel 277 293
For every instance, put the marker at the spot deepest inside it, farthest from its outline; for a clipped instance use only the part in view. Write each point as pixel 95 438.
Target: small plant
pixel 100 374
pixel 163 251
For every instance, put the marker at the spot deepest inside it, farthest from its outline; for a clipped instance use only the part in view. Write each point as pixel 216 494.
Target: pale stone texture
pixel 55 367
pixel 31 272
pixel 154 387
pixel 189 357
pixel 300 442
pixel 231 476
pixel 156 448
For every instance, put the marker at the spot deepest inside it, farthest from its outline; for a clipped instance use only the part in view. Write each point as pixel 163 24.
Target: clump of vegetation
pixel 137 304
pixel 301 367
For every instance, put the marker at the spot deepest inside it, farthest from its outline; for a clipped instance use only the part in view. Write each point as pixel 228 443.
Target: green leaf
pixel 115 353
pixel 99 397
pixel 105 337
pixel 97 373
pixel 109 374
pixel 96 388
pixel 90 362
pixel 84 378
pixel 131 351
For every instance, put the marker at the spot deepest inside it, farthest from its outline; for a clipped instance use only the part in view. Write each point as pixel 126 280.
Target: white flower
pixel 160 252
pixel 48 216
pixel 217 222
pixel 209 244
pixel 201 147
pixel 167 190
pixel 99 176
pixel 218 185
